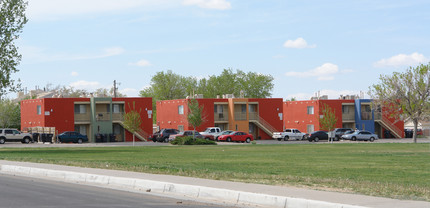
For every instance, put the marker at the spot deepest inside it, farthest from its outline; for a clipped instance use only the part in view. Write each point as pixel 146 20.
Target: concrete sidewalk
pixel 230 193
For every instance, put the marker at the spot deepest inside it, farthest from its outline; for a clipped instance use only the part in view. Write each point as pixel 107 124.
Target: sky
pixel 333 47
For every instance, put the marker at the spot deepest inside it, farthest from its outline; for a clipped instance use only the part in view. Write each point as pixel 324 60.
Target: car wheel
pixel 337 138
pixel 286 138
pixel 26 140
pixel 79 141
pixel 317 139
pixel 229 139
pixel 2 140
pixel 279 139
pixel 207 138
pixel 248 140
pixel 166 140
pixel 372 139
pixel 353 138
pixel 303 137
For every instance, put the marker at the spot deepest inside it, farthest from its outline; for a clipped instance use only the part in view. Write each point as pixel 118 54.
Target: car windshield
pixel 226 132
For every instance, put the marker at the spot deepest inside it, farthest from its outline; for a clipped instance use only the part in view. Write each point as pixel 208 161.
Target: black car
pixel 72 136
pixel 163 135
pixel 318 135
pixel 338 132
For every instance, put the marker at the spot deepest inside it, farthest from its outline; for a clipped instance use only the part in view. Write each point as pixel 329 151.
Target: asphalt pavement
pixel 204 190
pixel 23 192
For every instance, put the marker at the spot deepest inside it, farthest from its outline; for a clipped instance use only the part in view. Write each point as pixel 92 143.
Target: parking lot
pixel 39 145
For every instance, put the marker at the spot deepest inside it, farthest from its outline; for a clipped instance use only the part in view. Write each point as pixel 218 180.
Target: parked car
pixel 360 135
pixel 214 131
pixel 289 134
pixel 13 135
pixel 237 136
pixel 317 136
pixel 223 133
pixel 72 136
pixel 338 132
pixel 163 135
pixel 184 134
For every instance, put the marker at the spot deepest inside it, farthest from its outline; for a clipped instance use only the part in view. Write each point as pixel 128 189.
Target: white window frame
pixel 181 109
pixel 310 110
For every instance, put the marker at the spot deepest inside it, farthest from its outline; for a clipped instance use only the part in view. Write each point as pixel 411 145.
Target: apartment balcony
pixel 240 116
pixel 378 116
pixel 105 116
pixel 348 117
pixel 82 118
pixel 366 115
pixel 220 117
pixel 253 116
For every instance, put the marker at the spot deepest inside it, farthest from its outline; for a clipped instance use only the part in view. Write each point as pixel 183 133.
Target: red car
pixel 237 136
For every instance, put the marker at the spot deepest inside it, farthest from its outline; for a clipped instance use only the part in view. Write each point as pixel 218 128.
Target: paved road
pixel 34 193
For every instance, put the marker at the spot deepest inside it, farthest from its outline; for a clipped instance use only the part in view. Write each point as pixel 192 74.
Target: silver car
pixel 360 135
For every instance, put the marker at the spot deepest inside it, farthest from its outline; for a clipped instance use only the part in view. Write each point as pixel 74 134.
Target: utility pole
pixel 114 88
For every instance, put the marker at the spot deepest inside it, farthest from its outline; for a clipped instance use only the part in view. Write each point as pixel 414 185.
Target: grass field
pixel 389 170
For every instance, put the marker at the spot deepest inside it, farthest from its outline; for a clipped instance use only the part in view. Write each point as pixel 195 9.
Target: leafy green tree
pixel 132 121
pixel 404 95
pixel 328 120
pixel 12 21
pixel 195 114
pixel 10 114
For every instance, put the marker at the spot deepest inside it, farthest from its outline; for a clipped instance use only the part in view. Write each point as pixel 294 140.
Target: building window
pixel 181 110
pixel 80 109
pixel 215 108
pixel 181 127
pixel 39 110
pixel 310 110
pixel 310 128
pixel 116 108
pixel 243 108
pixel 345 109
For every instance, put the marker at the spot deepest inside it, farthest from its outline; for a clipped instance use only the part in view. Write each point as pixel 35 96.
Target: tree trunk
pixel 133 139
pixel 415 121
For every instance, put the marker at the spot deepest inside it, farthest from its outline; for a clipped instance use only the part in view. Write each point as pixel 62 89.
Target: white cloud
pixel 298 43
pixel 41 55
pixel 86 85
pixel 141 63
pixel 332 94
pixel 323 72
pixel 402 60
pixel 209 4
pixel 74 74
pixel 52 10
pixel 130 92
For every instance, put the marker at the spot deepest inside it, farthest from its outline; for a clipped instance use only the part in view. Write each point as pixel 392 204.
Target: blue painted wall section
pixel 360 123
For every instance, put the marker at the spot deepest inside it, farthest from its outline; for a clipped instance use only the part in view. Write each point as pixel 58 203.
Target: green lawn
pixel 389 170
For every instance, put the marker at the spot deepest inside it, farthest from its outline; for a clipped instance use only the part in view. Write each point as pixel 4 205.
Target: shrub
pixel 190 141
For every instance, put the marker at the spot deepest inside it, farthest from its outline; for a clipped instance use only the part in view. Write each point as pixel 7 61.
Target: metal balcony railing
pixel 348 117
pixel 220 116
pixel 239 116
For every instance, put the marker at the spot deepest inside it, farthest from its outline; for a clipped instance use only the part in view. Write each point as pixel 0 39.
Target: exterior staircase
pixel 142 135
pixel 387 124
pixel 262 124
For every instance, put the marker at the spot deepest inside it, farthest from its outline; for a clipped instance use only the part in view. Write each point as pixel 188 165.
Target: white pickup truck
pixel 289 134
pixel 214 131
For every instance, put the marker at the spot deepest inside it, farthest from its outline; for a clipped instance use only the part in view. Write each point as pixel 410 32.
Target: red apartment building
pixel 258 116
pixel 89 116
pixel 350 113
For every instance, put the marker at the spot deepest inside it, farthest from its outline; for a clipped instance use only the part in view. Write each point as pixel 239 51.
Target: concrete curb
pixel 198 192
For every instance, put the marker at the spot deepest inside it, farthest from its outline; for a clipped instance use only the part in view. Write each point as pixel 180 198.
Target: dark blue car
pixel 72 136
